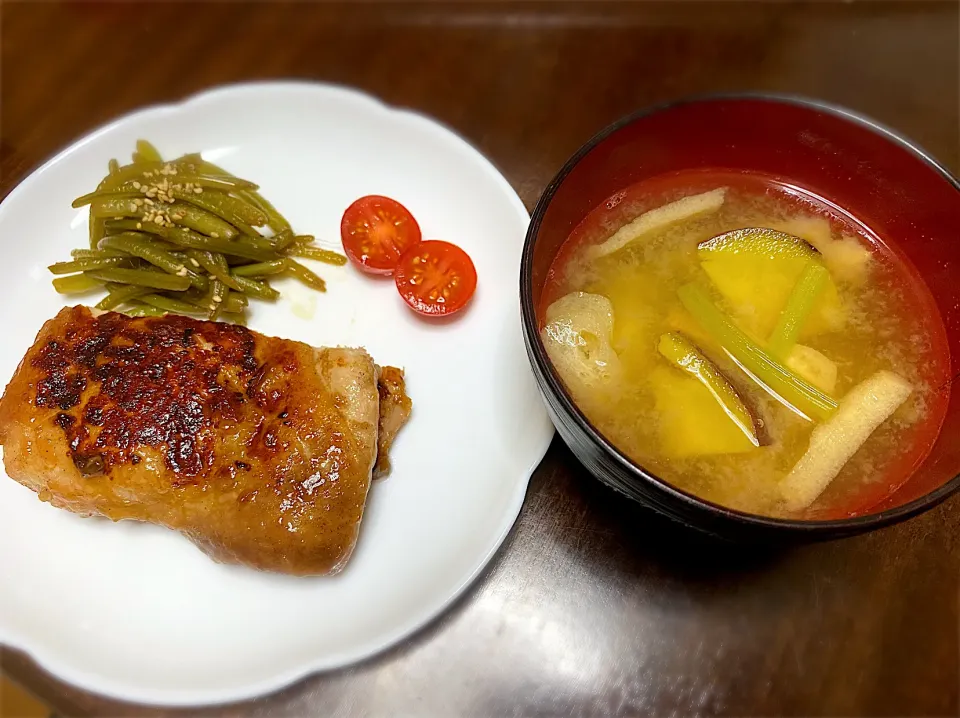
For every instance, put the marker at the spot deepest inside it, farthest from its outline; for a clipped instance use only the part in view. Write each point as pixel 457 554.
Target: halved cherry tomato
pixel 436 278
pixel 376 231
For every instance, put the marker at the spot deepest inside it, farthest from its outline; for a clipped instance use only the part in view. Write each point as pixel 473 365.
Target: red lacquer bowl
pixel 876 175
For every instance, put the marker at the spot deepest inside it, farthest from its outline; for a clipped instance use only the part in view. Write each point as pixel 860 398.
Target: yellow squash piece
pixel 637 322
pixel 756 269
pixel 686 357
pixel 691 422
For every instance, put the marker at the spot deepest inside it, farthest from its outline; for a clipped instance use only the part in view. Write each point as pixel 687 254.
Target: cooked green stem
pixel 230 209
pixel 112 204
pixel 145 247
pixel 200 220
pixel 790 389
pixel 79 265
pixel 257 242
pixel 76 284
pixel 95 253
pixel 141 277
pixel 95 226
pixel 218 292
pixel 224 183
pixel 143 310
pixel 685 356
pixel 275 220
pixel 317 253
pixel 139 171
pixel 220 262
pixel 248 249
pixel 233 302
pixel 285 266
pixel 799 305
pixel 295 269
pixel 119 294
pixel 218 289
pixel 236 302
pixel 91 197
pixel 115 205
pixel 260 290
pixel 148 152
pixel 286 238
pixel 147 210
pixel 183 236
pixel 215 264
pixel 181 182
pixel 261 269
pixel 168 304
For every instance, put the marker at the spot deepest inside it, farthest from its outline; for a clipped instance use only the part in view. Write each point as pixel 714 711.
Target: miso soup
pixel 750 343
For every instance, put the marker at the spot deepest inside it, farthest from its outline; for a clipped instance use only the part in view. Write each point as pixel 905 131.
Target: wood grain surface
pixel 592 607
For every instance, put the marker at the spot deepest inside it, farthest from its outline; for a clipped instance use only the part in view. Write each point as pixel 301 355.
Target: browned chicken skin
pixel 395 408
pixel 258 449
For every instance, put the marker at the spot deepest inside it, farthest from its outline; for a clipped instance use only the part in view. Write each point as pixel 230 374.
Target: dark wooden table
pixel 592 607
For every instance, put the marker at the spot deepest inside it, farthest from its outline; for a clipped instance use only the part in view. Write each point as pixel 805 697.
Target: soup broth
pixel 628 346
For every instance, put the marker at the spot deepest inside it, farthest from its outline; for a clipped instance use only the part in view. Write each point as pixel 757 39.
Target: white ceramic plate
pixel 136 611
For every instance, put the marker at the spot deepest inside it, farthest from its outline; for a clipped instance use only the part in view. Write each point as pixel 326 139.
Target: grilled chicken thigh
pixel 260 450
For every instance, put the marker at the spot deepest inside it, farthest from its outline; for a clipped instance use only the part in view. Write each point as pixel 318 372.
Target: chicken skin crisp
pixel 260 450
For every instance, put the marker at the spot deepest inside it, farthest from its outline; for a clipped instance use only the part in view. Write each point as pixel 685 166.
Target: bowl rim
pixel 555 386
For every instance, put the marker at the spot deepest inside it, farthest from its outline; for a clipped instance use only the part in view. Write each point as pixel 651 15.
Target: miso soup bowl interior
pixel 881 178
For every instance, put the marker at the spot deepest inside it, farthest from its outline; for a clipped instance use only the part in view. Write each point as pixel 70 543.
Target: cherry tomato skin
pixel 436 278
pixel 376 231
